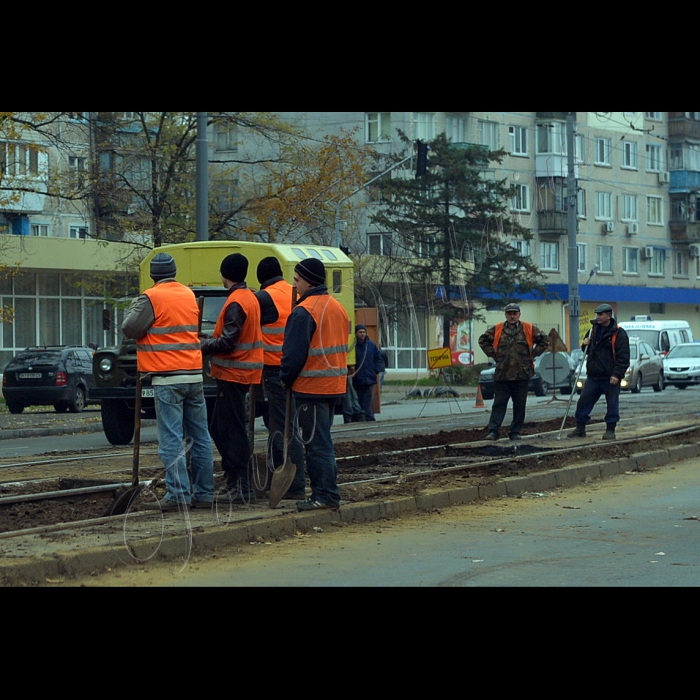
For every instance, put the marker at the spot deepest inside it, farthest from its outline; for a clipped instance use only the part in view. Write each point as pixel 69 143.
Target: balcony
pixel 685 231
pixel 683 129
pixel 553 223
pixel 554 116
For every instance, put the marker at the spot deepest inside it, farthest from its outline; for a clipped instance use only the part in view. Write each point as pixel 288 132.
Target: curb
pixel 81 563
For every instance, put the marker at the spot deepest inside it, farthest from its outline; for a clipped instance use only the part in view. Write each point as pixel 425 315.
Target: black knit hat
pixel 269 268
pixel 234 267
pixel 312 270
pixel 163 267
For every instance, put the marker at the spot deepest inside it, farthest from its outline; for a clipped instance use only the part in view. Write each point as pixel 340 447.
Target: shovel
pixel 259 482
pixel 283 476
pixel 573 391
pixel 123 502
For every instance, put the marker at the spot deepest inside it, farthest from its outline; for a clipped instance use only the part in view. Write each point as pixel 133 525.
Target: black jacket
pixel 602 362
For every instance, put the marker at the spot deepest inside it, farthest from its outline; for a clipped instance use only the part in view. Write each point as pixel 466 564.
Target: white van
pixel 661 335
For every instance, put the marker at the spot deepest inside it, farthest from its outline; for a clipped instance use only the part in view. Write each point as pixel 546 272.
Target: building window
pixel 79 117
pixel 680 263
pixel 378 126
pixel 629 155
pixel 551 139
pixel 18 160
pixel 603 206
pixel 41 230
pixel 629 208
pixel 78 232
pixel 657 264
pixel 549 256
pixel 604 255
pixel 78 170
pixel 523 248
pixel 654 116
pixel 489 135
pixel 630 261
pixel 457 128
pixel 225 136
pixel 380 243
pixel 424 125
pixel 655 211
pixel 603 152
pixel 582 255
pixel 518 140
pixel 521 199
pixel 581 209
pixel 655 158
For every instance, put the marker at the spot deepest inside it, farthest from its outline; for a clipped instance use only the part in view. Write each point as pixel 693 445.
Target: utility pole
pixel 572 191
pixel 202 177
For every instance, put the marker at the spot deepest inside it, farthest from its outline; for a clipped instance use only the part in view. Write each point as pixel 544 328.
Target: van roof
pixel 653 325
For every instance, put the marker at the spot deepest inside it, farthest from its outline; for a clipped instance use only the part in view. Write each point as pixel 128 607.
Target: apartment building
pixel 56 281
pixel 638 175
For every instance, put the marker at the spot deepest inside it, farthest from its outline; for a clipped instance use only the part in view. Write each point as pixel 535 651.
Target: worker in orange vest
pixel 314 366
pixel 513 345
pixel 164 322
pixel 276 299
pixel 236 363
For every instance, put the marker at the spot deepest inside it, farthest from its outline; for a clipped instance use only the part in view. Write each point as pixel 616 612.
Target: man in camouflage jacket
pixel 513 345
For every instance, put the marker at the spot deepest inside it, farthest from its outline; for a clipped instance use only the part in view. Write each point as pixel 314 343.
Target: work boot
pixel 609 434
pixel 493 436
pixel 579 432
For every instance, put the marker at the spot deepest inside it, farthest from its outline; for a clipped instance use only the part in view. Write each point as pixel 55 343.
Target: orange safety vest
pixel 172 342
pixel 273 333
pixel 245 364
pixel 326 369
pixel 527 329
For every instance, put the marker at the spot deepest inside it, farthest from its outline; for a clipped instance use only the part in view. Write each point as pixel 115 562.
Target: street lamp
pixel 202 177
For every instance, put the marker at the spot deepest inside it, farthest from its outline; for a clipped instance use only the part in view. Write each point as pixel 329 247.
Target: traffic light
pixel 421 159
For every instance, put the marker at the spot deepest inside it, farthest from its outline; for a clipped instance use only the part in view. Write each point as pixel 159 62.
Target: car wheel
pixel 660 385
pixel 117 421
pixel 60 406
pixel 15 408
pixel 541 388
pixel 638 385
pixel 77 403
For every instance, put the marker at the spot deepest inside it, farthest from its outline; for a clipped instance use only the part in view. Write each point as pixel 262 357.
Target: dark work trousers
pixel 365 395
pixel 502 393
pixel 276 406
pixel 592 390
pixel 229 430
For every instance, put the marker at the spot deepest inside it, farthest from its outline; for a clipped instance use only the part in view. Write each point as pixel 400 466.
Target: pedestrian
pixel 352 411
pixel 276 299
pixel 368 365
pixel 314 366
pixel 164 321
pixel 236 351
pixel 385 363
pixel 607 348
pixel 513 345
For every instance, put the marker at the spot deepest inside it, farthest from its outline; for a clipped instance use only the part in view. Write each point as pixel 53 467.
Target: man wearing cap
pixel 513 345
pixel 236 362
pixel 368 364
pixel 164 321
pixel 314 366
pixel 276 298
pixel 607 348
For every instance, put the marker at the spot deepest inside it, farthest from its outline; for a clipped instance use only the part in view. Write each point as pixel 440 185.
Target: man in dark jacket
pixel 608 349
pixel 368 364
pixel 513 345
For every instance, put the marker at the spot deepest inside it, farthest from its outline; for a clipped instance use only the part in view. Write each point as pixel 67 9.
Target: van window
pixel 665 344
pixel 684 337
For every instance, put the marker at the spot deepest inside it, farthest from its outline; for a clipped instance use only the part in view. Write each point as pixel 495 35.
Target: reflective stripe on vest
pixel 273 333
pixel 172 342
pixel 245 364
pixel 326 369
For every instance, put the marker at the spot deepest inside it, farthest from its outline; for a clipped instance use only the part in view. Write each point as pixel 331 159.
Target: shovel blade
pixel 281 481
pixel 124 501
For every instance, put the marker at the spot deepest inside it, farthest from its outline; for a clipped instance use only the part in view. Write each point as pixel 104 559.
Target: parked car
pixel 646 369
pixel 53 375
pixel 562 369
pixel 682 365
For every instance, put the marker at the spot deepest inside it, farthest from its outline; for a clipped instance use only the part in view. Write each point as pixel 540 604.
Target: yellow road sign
pixel 439 358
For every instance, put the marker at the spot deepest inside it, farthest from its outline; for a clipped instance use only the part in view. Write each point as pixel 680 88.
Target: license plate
pixel 147 393
pixel 30 375
pixel 680 376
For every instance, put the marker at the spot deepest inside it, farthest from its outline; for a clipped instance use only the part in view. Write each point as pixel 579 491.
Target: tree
pixel 451 232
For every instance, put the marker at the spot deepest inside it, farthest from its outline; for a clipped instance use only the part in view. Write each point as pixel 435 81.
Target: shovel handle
pixel 137 430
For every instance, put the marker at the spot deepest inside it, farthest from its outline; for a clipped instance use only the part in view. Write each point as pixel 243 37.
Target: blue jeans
pixel 276 405
pixel 592 390
pixel 315 418
pixel 182 413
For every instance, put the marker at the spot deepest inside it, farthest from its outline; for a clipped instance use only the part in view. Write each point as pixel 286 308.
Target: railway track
pixel 81 487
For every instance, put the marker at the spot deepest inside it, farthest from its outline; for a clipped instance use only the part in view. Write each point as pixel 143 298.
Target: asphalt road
pixel 639 529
